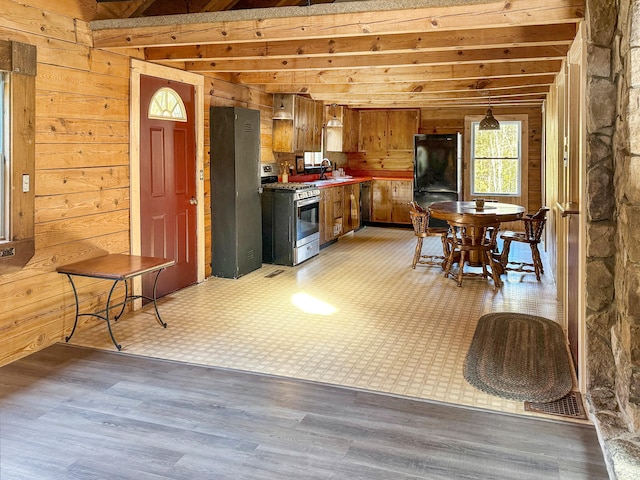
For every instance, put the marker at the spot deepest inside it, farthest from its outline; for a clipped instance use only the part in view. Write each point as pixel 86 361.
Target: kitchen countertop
pixel 360 177
pixel 399 179
pixel 335 182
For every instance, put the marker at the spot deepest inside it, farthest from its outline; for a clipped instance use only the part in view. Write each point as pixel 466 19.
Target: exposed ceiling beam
pixel 535 91
pixel 206 28
pixel 486 84
pixel 370 55
pixel 509 37
pixel 402 102
pixel 492 55
pixel 373 75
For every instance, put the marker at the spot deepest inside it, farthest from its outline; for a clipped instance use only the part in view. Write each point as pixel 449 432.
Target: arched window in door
pixel 166 104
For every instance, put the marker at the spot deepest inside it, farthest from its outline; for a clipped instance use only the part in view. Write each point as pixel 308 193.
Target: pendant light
pixel 282 113
pixel 489 122
pixel 335 121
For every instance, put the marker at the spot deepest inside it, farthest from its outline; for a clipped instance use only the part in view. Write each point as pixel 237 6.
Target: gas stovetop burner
pixel 298 190
pixel 287 186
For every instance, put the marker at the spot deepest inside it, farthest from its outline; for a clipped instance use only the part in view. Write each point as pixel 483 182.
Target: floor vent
pixel 568 406
pixel 274 273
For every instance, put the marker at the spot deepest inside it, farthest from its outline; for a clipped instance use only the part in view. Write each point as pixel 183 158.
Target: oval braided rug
pixel 519 357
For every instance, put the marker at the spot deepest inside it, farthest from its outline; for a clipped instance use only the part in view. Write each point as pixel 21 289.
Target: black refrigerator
pixel 437 170
pixel 236 212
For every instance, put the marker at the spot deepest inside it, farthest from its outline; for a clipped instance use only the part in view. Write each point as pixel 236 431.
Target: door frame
pixel 139 67
pixel 565 186
pixel 574 190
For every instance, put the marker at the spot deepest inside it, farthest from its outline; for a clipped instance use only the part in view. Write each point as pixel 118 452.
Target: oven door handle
pixel 307 201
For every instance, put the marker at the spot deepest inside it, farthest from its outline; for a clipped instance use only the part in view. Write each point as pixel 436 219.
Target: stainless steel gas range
pixel 290 222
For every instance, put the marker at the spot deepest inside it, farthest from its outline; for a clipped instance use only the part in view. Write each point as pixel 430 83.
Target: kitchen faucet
pixel 323 168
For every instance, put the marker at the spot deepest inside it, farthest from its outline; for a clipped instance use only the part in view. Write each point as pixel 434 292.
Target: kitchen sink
pixel 330 181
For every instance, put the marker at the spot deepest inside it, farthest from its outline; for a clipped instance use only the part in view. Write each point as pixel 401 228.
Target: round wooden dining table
pixel 467 211
pixel 503 212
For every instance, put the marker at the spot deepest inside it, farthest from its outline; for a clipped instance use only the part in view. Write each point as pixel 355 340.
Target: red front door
pixel 168 182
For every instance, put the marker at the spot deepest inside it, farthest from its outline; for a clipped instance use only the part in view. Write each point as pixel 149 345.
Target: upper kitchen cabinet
pixel 345 137
pixel 384 130
pixel 301 130
pixel 350 130
pixel 307 125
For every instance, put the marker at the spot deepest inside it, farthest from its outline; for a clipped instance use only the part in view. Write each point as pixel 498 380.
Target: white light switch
pixel 25 183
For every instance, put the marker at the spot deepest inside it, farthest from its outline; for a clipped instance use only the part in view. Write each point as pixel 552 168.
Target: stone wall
pixel 613 229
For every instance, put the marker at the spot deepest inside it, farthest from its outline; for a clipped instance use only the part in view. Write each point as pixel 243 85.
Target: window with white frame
pixel 4 157
pixel 496 160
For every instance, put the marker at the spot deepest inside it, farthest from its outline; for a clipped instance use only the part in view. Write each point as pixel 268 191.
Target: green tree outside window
pixel 495 159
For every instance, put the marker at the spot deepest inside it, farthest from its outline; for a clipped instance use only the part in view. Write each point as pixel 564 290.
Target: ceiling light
pixel 335 121
pixel 489 122
pixel 282 113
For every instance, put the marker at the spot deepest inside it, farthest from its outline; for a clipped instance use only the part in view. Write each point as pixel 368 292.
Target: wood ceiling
pixel 364 54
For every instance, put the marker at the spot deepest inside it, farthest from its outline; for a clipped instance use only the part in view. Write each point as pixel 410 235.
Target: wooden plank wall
pixel 443 120
pixel 82 173
pixel 82 170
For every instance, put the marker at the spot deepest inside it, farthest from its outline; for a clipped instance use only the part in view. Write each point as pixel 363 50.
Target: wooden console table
pixel 115 267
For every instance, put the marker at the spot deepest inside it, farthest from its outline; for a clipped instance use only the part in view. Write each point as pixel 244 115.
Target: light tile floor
pixel 356 315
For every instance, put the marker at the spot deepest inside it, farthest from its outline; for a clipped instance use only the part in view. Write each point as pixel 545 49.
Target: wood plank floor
pixel 74 413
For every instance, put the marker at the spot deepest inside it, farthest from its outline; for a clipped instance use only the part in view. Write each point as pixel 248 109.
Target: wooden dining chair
pixel 420 221
pixel 473 238
pixel 532 235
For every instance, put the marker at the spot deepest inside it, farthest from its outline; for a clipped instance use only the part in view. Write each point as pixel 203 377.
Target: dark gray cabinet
pixel 236 217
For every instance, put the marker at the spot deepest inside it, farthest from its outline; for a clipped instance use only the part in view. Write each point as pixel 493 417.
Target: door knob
pixel 193 201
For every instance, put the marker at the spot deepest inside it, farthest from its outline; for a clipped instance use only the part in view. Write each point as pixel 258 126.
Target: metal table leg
pixel 75 295
pixel 105 317
pixel 113 287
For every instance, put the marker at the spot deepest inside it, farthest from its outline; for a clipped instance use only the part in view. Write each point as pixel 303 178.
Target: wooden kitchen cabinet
pixel 336 214
pixel 401 127
pixel 301 116
pixel 315 139
pixel 283 136
pixel 307 125
pixel 384 130
pixel 326 226
pixel 401 195
pixel 337 199
pixel 330 214
pixel 381 201
pixel 304 132
pixel 390 199
pixel 373 130
pixel 350 129
pixel 350 207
